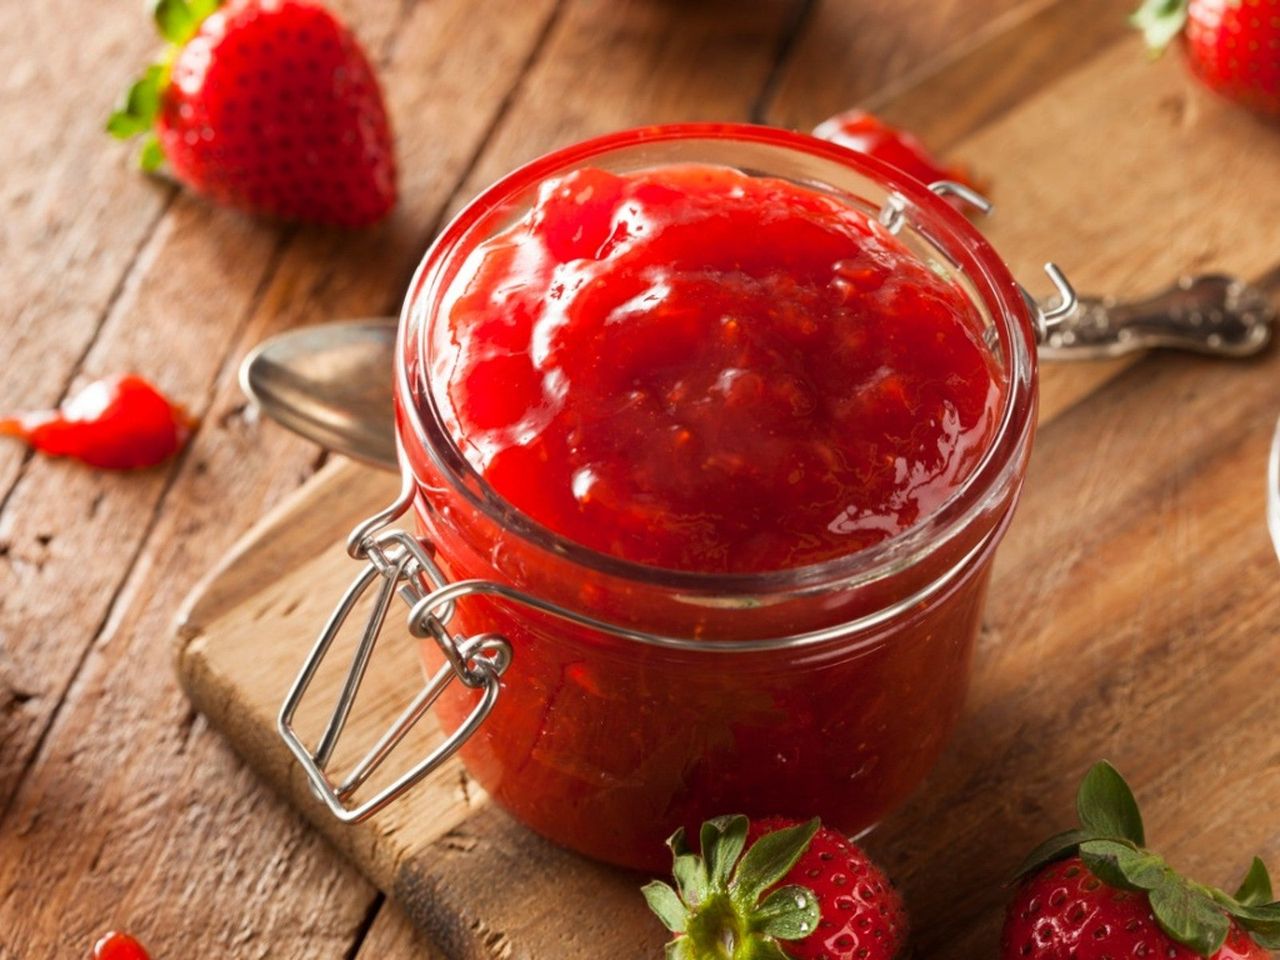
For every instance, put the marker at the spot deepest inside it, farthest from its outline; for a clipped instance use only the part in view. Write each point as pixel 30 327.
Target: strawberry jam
pixel 766 446
pixel 696 369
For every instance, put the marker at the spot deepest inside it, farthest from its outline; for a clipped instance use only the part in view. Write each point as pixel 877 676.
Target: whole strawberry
pixel 266 105
pixel 1095 892
pixel 1233 46
pixel 799 891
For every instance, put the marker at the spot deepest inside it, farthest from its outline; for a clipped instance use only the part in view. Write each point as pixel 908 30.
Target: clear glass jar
pixel 822 690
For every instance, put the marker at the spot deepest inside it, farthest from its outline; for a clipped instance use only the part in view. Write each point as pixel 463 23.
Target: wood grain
pixel 612 64
pixel 1096 543
pixel 265 884
pixel 73 220
pixel 847 54
pixel 122 807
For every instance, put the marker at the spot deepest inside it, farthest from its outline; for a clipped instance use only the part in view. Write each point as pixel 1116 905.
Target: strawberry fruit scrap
pixel 270 106
pixel 1092 892
pixel 776 889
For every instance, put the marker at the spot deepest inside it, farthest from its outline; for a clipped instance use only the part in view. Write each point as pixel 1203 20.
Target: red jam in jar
pixel 684 382
pixel 688 367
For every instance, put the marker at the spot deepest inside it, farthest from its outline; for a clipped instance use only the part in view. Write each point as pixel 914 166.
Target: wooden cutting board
pixel 1135 608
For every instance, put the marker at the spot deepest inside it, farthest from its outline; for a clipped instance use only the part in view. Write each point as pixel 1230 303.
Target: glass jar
pixel 605 703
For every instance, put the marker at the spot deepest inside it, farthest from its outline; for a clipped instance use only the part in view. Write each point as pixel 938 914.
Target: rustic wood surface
pixel 120 807
pixel 485 886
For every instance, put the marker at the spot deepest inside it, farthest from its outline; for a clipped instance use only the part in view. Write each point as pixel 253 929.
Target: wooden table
pixel 118 806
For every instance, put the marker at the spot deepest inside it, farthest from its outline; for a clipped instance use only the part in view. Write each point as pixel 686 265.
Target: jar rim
pixel 962 243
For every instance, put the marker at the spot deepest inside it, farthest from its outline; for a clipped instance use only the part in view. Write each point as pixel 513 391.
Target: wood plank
pixel 612 64
pixel 1135 614
pixel 847 53
pixel 103 515
pixel 393 934
pixel 264 866
pixel 73 211
pixel 478 879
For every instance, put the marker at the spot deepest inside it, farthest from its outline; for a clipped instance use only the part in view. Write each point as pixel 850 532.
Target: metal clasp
pixel 894 214
pixel 397 564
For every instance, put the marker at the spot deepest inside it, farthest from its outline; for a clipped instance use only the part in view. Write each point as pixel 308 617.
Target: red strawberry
pixel 119 946
pixel 1112 898
pixel 118 423
pixel 266 105
pixel 867 133
pixel 1233 46
pixel 800 891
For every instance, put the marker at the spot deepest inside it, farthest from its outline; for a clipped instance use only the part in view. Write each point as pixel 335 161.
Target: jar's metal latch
pixel 396 564
pixel 1215 314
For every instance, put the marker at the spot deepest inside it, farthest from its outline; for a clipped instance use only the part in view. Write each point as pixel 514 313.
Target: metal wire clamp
pixel 397 564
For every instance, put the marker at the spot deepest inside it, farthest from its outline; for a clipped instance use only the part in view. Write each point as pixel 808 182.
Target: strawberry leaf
pixel 1268 938
pixel 175 20
pixel 1255 889
pixel 1189 916
pixel 722 841
pixel 768 861
pixel 137 113
pixel 1055 848
pixel 665 902
pixel 1120 865
pixel 679 949
pixel 1160 21
pixel 202 8
pixel 677 843
pixel 789 913
pixel 1107 807
pixel 691 878
pixel 152 156
pixel 1261 921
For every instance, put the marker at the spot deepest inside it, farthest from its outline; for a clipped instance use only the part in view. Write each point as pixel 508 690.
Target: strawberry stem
pixel 1110 841
pixel 1160 21
pixel 717 912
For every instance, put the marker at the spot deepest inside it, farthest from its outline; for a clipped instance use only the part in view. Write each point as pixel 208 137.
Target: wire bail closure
pixel 397 564
pixel 1045 318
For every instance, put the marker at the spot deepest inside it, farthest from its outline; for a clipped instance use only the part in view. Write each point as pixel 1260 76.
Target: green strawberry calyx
pixel 178 21
pixel 1111 842
pixel 1160 21
pixel 718 909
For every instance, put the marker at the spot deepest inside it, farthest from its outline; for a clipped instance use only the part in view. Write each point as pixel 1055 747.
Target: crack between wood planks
pixel 786 46
pixel 64 695
pixel 1000 25
pixel 176 471
pixel 148 236
pixel 365 926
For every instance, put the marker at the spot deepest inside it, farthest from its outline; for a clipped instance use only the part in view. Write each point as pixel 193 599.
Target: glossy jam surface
pixel 694 369
pixel 119 423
